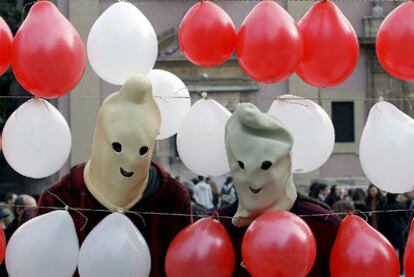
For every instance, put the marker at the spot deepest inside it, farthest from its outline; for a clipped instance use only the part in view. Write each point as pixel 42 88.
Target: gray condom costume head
pixel 259 153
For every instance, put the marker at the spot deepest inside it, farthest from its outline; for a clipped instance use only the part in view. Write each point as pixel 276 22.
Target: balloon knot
pixel 120 210
pixel 215 214
pixel 204 95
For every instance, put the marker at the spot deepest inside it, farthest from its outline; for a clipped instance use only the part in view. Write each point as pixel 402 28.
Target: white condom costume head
pixel 259 152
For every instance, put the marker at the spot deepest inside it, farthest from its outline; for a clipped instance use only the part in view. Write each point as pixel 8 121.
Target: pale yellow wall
pixel 83 14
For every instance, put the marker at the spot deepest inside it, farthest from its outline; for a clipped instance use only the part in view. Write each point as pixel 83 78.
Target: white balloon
pixel 115 247
pixel 46 245
pixel 312 130
pixel 121 43
pixel 36 139
pixel 386 150
pixel 173 100
pixel 200 138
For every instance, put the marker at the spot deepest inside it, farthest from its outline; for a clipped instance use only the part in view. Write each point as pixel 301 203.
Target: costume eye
pixel 266 165
pixel 117 147
pixel 241 164
pixel 143 150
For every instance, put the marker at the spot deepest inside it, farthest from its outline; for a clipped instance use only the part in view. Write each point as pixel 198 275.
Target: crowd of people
pixel 374 206
pixel 206 195
pixel 14 211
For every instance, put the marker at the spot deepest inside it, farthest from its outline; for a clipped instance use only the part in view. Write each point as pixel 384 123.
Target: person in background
pixel 323 192
pixel 3 216
pixel 394 224
pixel 9 200
pixel 349 194
pixel 410 199
pixel 198 211
pixel 188 185
pixel 358 198
pixel 343 207
pixel 314 190
pixel 402 199
pixel 319 191
pixel 334 196
pixel 23 211
pixel 375 202
pixel 203 194
pixel 214 190
pixel 228 193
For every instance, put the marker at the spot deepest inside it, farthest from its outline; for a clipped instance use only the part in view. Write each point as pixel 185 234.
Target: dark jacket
pixel 158 231
pixel 324 229
pixel 395 224
pixel 375 217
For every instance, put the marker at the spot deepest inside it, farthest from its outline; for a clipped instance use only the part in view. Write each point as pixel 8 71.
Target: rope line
pixel 214 214
pixel 218 97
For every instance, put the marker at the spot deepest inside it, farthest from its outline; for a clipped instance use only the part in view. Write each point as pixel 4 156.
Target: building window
pixel 343 120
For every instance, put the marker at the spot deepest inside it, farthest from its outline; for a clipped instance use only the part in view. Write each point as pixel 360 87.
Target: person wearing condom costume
pixel 121 176
pixel 259 153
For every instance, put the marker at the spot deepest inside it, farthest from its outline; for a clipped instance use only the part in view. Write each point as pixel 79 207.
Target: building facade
pixel 346 103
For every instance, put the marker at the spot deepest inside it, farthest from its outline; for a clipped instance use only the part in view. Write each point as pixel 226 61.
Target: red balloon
pixel 330 46
pixel 409 253
pixel 395 40
pixel 207 35
pixel 2 245
pixel 269 46
pixel 360 250
pixel 6 40
pixel 48 55
pixel 279 244
pixel 202 249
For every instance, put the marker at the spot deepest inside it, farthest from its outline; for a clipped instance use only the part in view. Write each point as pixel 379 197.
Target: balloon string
pixel 67 208
pixel 407 228
pixel 24 9
pixel 357 212
pixel 219 97
pixel 141 213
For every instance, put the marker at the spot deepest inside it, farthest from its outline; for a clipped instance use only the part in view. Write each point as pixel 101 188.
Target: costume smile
pixel 126 173
pixel 255 190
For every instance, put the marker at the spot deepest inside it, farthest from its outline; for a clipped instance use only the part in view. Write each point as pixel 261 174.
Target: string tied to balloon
pixel 204 95
pixel 67 208
pixel 25 7
pixel 140 216
pixel 359 212
pixel 292 99
pixel 215 215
